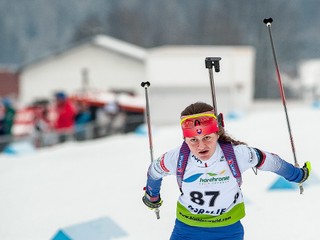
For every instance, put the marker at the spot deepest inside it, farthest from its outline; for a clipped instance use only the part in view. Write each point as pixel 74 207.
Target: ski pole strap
pixel 228 152
pixel 182 163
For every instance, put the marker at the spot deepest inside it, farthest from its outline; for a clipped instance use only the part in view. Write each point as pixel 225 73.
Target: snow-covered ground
pixel 77 182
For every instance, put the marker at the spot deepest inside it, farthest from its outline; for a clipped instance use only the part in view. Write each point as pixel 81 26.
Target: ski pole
pixel 145 85
pixel 282 94
pixel 210 62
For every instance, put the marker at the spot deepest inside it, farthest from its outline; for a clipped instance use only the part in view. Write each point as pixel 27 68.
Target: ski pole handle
pixel 145 85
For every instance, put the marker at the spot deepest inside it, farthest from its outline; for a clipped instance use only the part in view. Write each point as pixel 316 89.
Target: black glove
pixel 306 171
pixel 152 202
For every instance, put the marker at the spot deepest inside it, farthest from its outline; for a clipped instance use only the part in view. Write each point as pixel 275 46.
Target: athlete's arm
pixel 273 163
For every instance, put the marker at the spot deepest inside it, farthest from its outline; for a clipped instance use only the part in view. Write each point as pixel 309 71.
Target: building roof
pixel 103 41
pixel 120 46
pixel 201 50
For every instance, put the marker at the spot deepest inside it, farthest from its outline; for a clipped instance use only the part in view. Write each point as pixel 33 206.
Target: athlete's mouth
pixel 203 152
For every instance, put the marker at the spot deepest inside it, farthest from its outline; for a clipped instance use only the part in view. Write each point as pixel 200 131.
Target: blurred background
pixel 90 58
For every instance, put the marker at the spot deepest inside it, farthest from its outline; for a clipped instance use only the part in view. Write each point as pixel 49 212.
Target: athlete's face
pixel 203 146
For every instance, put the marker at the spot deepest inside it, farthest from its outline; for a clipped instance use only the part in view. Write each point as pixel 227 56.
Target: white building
pixel 100 64
pixel 309 75
pixel 178 77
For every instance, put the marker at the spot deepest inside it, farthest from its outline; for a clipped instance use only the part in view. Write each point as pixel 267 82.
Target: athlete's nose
pixel 201 144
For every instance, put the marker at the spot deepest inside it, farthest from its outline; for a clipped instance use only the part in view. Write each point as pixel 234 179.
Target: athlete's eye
pixel 193 140
pixel 207 138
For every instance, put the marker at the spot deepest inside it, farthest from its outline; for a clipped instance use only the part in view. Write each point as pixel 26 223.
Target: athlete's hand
pixel 306 171
pixel 152 202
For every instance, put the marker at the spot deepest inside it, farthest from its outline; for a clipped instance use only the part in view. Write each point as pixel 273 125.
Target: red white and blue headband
pixel 197 124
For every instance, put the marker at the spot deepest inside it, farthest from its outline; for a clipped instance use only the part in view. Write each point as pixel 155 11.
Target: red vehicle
pixel 43 114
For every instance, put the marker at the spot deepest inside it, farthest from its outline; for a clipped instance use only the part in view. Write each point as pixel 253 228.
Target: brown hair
pixel 200 107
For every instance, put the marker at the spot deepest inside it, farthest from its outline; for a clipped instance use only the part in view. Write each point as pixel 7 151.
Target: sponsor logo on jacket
pixel 208 178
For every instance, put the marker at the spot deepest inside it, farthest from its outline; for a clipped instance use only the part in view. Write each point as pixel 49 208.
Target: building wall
pixel 106 70
pixel 178 78
pixel 309 74
pixel 9 82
